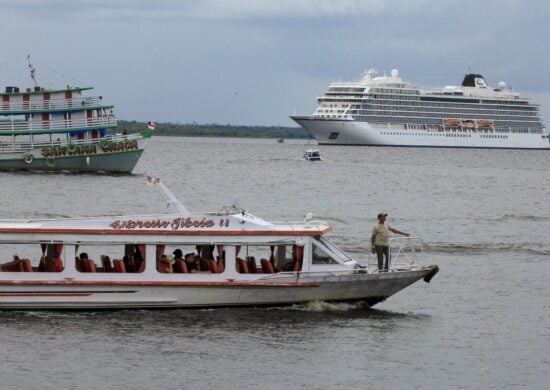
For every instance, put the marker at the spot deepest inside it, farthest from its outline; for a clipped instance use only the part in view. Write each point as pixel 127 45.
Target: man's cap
pixel 380 215
pixel 178 253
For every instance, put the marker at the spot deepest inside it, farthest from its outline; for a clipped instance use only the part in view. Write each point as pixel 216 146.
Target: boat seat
pixel 26 265
pixel 181 267
pixel 141 266
pixel 89 265
pixel 130 264
pixel 119 266
pixel 221 266
pixel 212 266
pixel 106 262
pixel 267 267
pixel 252 266
pixel 42 264
pixel 242 266
pixel 12 266
pixel 58 265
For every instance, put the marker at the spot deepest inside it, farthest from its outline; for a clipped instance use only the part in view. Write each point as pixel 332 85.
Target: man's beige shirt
pixel 381 234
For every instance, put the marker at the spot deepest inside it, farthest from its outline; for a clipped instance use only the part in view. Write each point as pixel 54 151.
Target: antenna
pixel 33 71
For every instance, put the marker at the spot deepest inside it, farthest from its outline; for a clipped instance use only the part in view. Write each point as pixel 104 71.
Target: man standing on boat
pixel 380 241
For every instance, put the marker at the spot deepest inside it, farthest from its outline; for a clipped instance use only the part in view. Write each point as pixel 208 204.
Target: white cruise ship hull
pixel 351 132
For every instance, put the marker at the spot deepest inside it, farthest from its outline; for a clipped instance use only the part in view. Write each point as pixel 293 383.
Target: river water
pixel 483 321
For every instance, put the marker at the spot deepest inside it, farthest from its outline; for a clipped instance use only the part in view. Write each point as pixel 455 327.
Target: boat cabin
pixel 167 247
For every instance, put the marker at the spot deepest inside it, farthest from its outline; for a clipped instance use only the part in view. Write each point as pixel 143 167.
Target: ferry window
pixel 266 259
pixel 319 256
pixel 33 257
pixel 331 248
pixel 110 258
pixel 186 258
pixel 333 135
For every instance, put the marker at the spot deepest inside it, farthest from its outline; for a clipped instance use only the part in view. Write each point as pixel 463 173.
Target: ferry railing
pixel 24 127
pixel 26 146
pixel 50 104
pixel 403 251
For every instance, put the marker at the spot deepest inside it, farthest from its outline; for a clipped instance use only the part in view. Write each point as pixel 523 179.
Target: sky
pixel 246 62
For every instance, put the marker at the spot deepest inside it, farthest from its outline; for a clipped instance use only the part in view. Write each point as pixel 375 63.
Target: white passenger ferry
pixel 387 111
pixel 228 258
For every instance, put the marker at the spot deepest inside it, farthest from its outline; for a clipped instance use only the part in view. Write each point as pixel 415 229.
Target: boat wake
pixel 526 248
pixel 323 306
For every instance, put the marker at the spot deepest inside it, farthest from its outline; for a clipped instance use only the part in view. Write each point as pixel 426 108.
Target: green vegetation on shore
pixel 215 130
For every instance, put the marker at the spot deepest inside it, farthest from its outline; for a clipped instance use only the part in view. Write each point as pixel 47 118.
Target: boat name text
pixel 175 224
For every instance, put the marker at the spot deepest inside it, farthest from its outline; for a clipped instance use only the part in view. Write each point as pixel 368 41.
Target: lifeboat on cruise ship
pixel 468 123
pixel 485 123
pixel 451 122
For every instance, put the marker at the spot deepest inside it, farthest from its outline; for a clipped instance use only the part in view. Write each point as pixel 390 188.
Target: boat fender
pixel 88 160
pixel 50 162
pixel 29 158
pixel 431 274
pixel 71 148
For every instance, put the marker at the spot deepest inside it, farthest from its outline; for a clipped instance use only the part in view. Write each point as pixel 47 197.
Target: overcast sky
pixel 255 62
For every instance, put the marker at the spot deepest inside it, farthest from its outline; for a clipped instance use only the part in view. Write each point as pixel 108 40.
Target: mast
pixel 32 70
pixel 167 194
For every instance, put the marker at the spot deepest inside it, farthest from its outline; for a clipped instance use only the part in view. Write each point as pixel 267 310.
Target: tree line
pixel 214 130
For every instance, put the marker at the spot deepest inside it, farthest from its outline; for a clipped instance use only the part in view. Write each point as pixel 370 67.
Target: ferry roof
pixel 43 91
pixel 150 227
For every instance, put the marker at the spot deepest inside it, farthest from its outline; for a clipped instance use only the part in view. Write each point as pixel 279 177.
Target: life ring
pixel 71 148
pixel 29 158
pixel 50 162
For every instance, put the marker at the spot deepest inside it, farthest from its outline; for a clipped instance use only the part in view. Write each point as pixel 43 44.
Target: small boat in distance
pixel 232 258
pixel 63 130
pixel 312 155
pixel 280 140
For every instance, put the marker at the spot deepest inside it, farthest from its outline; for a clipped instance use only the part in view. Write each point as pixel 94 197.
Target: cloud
pixel 204 9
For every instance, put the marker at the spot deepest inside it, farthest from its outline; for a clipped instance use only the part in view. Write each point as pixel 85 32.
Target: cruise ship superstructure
pixel 387 111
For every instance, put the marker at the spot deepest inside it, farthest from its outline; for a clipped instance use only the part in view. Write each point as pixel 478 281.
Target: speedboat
pixel 312 155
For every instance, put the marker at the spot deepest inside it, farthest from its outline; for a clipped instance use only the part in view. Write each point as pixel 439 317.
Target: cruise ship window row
pixel 474 100
pixel 437 121
pixel 426 134
pixel 455 100
pixel 503 127
pixel 420 114
pixel 428 103
pixel 419 103
pixel 458 111
pixel 503 105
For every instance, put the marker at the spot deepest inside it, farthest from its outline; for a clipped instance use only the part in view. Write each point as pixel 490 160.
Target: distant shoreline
pixel 214 130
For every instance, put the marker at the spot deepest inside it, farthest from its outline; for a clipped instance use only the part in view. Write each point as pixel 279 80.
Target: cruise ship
pixel 388 111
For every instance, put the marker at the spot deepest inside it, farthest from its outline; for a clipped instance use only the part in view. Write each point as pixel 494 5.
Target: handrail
pixel 51 104
pixel 407 248
pixel 23 127
pixel 26 146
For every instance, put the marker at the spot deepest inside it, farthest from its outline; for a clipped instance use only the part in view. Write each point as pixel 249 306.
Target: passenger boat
pixel 63 130
pixel 232 258
pixel 312 155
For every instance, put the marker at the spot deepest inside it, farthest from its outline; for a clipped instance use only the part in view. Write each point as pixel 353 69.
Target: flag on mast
pixel 151 125
pixel 151 180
